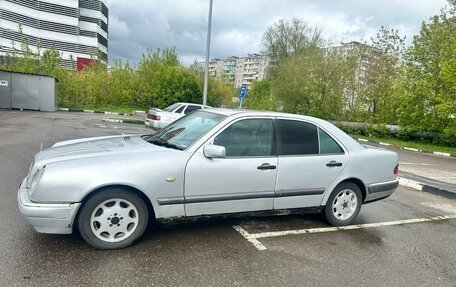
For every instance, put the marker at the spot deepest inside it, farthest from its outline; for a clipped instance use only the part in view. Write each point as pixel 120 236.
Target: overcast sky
pixel 238 25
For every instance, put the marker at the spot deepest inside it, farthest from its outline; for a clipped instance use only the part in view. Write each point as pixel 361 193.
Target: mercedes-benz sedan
pixel 209 162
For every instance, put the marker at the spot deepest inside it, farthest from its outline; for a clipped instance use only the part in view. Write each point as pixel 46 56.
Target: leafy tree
pixel 259 97
pixel 381 67
pixel 429 99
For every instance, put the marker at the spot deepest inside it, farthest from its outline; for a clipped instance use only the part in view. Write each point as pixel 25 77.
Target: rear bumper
pixel 154 124
pixel 46 217
pixel 380 190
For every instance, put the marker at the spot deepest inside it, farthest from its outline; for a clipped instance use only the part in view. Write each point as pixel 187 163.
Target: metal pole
pixel 208 47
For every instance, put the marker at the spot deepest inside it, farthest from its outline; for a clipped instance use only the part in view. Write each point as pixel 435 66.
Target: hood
pixel 93 147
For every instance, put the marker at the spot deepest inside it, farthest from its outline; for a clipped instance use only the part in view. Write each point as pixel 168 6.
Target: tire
pixel 113 219
pixel 343 204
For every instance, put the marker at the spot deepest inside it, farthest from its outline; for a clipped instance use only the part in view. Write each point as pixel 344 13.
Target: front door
pixel 244 180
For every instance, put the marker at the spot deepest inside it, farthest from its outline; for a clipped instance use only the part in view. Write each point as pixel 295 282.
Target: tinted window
pixel 179 110
pixel 248 138
pixel 327 144
pixel 191 108
pixel 297 138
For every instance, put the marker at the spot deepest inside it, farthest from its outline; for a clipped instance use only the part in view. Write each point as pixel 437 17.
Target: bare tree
pixel 284 38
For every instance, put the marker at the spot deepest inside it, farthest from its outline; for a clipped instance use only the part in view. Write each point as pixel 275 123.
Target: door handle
pixel 333 163
pixel 266 166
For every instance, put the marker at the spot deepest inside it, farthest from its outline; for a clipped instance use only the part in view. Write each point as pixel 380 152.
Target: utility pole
pixel 208 48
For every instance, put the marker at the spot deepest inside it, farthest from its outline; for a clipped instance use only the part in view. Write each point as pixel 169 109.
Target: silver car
pixel 210 162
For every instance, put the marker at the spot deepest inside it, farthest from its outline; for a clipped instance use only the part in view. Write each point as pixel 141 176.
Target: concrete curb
pixel 99 112
pixel 408 148
pixel 127 121
pixel 426 188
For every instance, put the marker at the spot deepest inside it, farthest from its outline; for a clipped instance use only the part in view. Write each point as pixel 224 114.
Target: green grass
pixel 113 109
pixel 412 144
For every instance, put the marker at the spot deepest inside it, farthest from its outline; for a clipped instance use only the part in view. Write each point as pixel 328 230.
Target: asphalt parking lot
pixel 408 239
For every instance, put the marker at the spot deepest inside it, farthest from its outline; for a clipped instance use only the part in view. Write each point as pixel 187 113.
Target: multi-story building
pixel 250 69
pixel 77 29
pixel 239 71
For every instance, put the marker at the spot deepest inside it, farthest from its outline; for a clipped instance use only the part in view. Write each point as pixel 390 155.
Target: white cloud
pixel 238 25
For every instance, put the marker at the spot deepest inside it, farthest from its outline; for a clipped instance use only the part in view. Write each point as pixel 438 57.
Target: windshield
pixel 185 131
pixel 172 107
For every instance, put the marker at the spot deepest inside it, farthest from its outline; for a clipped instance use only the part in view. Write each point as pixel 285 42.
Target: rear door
pixel 309 159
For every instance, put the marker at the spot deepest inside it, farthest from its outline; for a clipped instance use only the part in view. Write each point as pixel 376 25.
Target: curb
pixel 127 121
pixel 98 112
pixel 445 154
pixel 426 188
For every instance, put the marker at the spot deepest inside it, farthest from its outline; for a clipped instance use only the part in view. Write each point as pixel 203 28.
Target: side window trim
pixel 318 135
pixel 227 125
pixel 175 110
pixel 344 150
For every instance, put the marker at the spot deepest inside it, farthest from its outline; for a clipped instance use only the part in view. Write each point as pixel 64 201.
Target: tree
pixel 312 83
pixel 284 38
pixel 429 100
pixel 381 60
pixel 259 97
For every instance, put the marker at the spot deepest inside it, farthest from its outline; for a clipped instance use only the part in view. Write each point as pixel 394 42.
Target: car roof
pixel 348 141
pixel 193 104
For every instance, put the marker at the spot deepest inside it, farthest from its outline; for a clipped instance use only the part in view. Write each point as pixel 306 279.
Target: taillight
pixel 153 117
pixel 396 169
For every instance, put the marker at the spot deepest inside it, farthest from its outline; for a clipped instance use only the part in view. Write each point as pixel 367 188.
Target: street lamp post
pixel 208 48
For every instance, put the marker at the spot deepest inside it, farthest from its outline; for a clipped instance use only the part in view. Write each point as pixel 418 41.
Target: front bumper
pixel 381 190
pixel 47 217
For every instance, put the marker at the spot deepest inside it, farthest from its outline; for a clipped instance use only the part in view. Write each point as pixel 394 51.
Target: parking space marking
pixel 253 237
pixel 446 207
pixel 248 236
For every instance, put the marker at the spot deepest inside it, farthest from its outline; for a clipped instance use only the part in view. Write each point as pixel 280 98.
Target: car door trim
pixel 299 192
pixel 238 196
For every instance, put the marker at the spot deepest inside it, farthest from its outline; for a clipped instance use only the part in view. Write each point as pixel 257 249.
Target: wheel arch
pixel 127 188
pixel 359 183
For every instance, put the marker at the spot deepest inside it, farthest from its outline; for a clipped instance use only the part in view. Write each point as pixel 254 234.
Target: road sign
pixel 242 92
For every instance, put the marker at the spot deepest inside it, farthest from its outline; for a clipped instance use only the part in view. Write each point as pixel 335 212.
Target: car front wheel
pixel 113 219
pixel 344 204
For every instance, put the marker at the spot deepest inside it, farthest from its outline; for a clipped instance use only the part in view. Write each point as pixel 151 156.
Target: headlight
pixel 36 178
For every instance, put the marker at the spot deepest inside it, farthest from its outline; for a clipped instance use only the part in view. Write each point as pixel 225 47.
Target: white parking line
pixel 249 237
pixel 253 237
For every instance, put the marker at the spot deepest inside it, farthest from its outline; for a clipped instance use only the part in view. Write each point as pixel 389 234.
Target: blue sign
pixel 242 92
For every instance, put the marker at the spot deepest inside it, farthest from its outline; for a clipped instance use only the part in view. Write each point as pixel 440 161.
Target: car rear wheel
pixel 113 219
pixel 344 204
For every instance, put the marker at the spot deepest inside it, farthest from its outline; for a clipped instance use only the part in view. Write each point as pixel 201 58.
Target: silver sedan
pixel 209 162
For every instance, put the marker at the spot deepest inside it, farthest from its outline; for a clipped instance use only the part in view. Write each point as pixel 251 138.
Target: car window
pixel 252 137
pixel 297 138
pixel 186 130
pixel 172 107
pixel 328 144
pixel 179 110
pixel 191 108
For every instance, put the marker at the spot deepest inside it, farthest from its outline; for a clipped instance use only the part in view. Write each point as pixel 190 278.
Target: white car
pixel 157 118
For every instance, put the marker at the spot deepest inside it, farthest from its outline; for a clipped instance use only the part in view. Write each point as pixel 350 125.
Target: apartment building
pixel 239 71
pixel 77 29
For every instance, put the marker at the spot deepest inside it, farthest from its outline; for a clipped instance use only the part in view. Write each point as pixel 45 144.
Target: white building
pixel 239 71
pixel 78 29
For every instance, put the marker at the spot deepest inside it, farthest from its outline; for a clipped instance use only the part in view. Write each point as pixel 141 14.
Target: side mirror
pixel 214 151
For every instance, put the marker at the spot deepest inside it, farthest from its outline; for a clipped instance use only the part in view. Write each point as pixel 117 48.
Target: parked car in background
pixel 210 162
pixel 157 118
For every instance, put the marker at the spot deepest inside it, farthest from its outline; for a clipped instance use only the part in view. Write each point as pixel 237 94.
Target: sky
pixel 238 25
